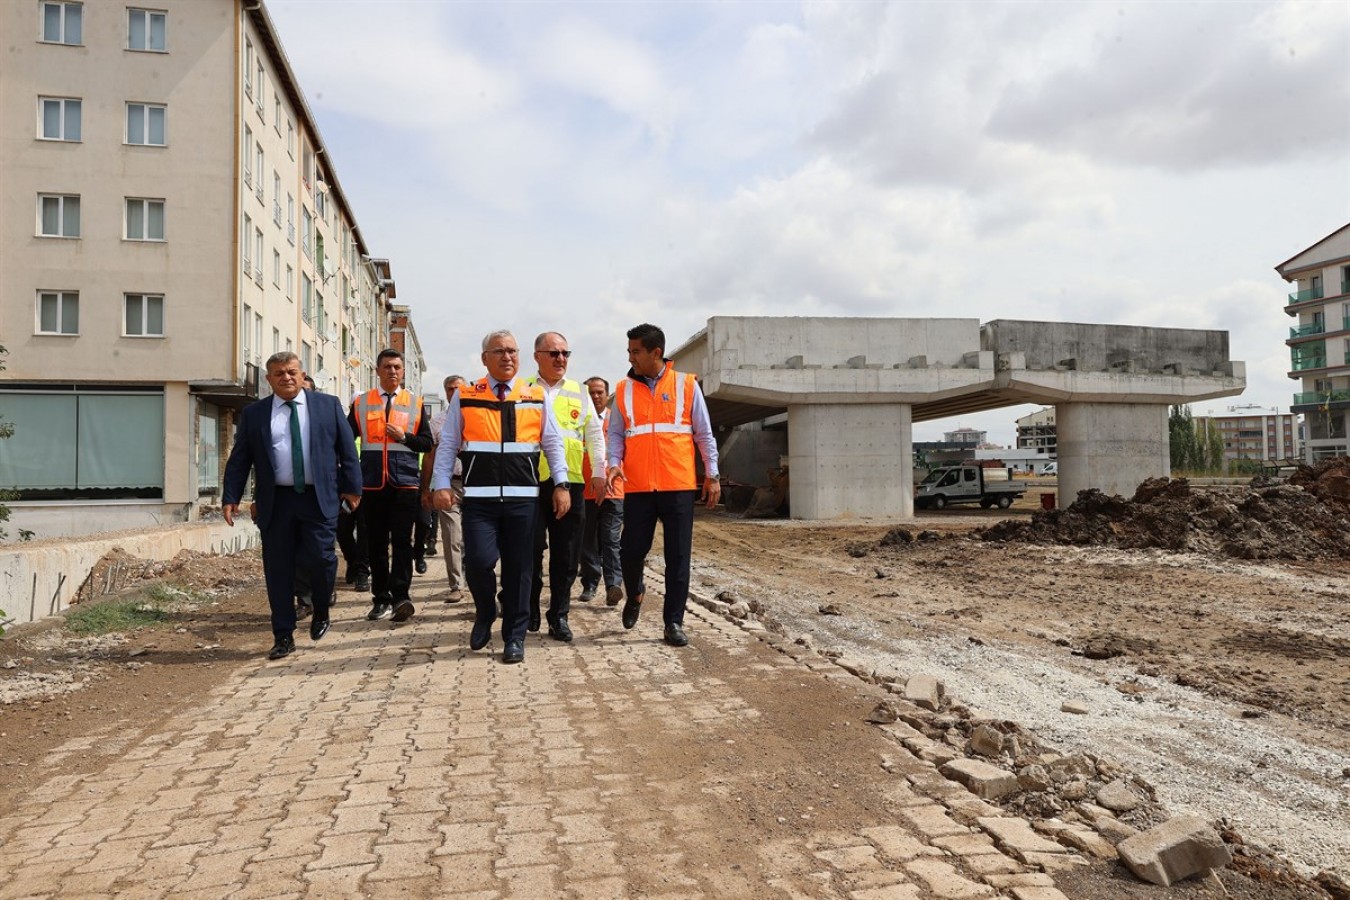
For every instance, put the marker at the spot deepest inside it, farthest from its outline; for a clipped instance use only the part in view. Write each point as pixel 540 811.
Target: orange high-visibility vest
pixel 658 432
pixel 499 447
pixel 384 461
pixel 616 489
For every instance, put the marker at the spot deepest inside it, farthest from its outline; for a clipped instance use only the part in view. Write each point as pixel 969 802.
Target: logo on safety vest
pixel 576 414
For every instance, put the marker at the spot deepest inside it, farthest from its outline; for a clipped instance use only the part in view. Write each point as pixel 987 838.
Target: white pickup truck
pixel 965 484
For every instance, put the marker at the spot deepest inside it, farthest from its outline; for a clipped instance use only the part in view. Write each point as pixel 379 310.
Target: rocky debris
pixel 1073 707
pixel 1327 479
pixel 986 740
pixel 1177 849
pixel 1118 796
pixel 1292 521
pixel 883 714
pixel 925 691
pixel 1333 884
pixel 830 609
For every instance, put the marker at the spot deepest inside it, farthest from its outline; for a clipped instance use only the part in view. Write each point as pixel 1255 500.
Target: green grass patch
pixel 123 614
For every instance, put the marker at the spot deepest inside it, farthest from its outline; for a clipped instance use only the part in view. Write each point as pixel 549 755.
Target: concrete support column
pixel 851 460
pixel 1110 446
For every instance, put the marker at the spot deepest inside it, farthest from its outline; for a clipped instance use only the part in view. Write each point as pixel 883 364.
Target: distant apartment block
pixel 1036 431
pixel 170 218
pixel 1265 436
pixel 971 437
pixel 1319 341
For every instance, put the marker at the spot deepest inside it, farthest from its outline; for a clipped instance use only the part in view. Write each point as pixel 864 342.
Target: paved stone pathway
pixel 389 761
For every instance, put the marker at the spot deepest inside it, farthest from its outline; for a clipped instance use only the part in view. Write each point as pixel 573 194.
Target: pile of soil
pixel 1298 520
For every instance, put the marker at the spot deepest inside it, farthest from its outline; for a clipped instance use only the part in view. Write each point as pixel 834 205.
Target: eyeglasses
pixel 504 351
pixel 556 354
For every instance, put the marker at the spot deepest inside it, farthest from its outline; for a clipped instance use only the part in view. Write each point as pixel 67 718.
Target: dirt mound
pixel 1282 522
pixel 1327 480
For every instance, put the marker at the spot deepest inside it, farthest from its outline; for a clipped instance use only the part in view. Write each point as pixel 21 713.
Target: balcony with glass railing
pixel 1306 295
pixel 1301 364
pixel 1321 398
pixel 1305 330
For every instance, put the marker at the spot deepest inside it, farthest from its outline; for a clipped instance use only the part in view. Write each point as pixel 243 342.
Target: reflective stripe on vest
pixel 499 448
pixel 571 407
pixel 405 411
pixel 658 432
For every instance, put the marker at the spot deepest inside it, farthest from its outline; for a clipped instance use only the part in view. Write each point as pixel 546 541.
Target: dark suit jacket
pixel 332 452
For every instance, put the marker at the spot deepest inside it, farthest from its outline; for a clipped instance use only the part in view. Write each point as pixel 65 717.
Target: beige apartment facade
pixel 1319 342
pixel 170 218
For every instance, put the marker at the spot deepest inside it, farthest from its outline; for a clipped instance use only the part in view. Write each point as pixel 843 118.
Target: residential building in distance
pixel 171 218
pixel 1036 431
pixel 403 338
pixel 1259 436
pixel 971 437
pixel 1319 341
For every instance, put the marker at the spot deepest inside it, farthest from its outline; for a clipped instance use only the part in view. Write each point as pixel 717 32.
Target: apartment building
pixel 1259 436
pixel 170 218
pixel 1319 342
pixel 1036 431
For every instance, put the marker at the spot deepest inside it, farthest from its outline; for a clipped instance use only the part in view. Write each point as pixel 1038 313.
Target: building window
pixel 248 245
pixel 144 315
pixel 307 168
pixel 260 167
pixel 276 268
pixel 145 219
pixel 145 30
pixel 307 356
pixel 290 138
pixel 59 119
pixel 259 94
pixel 248 68
pixel 276 197
pixel 248 157
pixel 58 312
pixel 306 232
pixel 63 23
pixel 60 447
pixel 59 215
pixel 276 111
pixel 306 299
pixel 258 256
pixel 276 340
pixel 290 219
pixel 321 204
pixel 290 283
pixel 146 123
pixel 245 329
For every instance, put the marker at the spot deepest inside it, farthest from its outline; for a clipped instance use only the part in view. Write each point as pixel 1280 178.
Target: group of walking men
pixel 512 466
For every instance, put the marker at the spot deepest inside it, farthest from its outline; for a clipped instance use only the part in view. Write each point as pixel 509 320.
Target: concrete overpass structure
pixel 852 388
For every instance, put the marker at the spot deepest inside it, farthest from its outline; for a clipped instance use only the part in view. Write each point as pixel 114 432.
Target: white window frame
pixel 248 157
pixel 144 301
pixel 276 341
pixel 63 201
pixel 61 312
pixel 248 68
pixel 276 267
pixel 148 17
pixel 290 137
pixel 64 105
pixel 306 232
pixel 260 103
pixel 276 112
pixel 276 197
pixel 258 250
pixel 290 219
pixel 64 26
pixel 290 283
pixel 306 299
pixel 260 166
pixel 146 109
pixel 146 203
pixel 248 245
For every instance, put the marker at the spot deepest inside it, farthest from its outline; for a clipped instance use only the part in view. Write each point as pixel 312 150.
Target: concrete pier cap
pixel 853 387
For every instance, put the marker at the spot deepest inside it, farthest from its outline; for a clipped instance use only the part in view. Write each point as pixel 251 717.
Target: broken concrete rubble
pixel 1177 849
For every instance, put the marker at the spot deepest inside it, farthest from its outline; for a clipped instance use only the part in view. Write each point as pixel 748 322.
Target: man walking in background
pixel 496 427
pixel 452 533
pixel 604 518
pixel 572 414
pixel 659 417
pixel 299 447
pixel 394 429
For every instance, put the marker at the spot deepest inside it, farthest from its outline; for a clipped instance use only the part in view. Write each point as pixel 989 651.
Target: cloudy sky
pixel 587 166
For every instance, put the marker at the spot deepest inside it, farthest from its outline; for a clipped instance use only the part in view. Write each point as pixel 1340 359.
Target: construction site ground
pixel 390 761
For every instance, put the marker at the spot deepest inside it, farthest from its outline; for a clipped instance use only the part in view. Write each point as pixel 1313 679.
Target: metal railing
pixel 1308 362
pixel 1306 295
pixel 1319 398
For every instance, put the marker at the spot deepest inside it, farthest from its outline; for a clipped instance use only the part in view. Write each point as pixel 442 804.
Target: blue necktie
pixel 297 449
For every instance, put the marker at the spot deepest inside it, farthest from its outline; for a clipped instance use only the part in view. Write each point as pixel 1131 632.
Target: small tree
pixel 7 430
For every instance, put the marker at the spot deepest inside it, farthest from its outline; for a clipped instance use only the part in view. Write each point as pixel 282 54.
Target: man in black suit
pixel 303 456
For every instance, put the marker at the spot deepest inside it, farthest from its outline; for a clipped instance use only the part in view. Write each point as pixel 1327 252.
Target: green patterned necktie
pixel 297 449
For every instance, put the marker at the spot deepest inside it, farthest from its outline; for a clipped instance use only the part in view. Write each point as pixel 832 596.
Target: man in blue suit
pixel 303 456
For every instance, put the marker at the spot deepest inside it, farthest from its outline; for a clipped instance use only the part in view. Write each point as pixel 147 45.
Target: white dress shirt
pixel 281 439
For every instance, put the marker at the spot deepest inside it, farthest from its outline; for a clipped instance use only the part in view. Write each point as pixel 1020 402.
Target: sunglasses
pixel 556 354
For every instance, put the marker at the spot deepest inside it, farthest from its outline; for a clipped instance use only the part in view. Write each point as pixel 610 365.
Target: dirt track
pixel 1222 682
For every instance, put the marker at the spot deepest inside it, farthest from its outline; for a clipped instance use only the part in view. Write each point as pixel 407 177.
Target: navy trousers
pixel 299 536
pixel 600 545
pixel 493 530
pixel 389 515
pixel 562 539
pixel 675 511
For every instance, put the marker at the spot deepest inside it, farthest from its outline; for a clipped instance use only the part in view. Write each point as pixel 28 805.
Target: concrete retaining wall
pixel 40 579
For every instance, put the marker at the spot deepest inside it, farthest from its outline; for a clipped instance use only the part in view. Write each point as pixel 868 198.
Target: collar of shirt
pixel 278 403
pixel 492 382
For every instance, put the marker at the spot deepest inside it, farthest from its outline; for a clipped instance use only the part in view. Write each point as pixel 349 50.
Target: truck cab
pixel 965 484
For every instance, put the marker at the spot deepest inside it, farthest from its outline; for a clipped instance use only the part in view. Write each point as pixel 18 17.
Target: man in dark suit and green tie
pixel 303 456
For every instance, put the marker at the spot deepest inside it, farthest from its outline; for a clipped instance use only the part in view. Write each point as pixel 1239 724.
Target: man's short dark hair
pixel 650 336
pixel 599 379
pixel 388 353
pixel 309 383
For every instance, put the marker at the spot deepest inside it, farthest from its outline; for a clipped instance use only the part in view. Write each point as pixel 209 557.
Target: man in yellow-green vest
pixel 566 402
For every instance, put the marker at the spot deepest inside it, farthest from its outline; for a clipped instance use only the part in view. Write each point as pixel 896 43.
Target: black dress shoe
pixel 303 610
pixel 675 636
pixel 613 595
pixel 514 652
pixel 284 646
pixel 631 607
pixel 534 620
pixel 481 634
pixel 349 576
pixel 420 566
pixel 363 583
pixel 431 551
pixel 560 631
pixel 318 626
pixel 380 610
pixel 403 610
